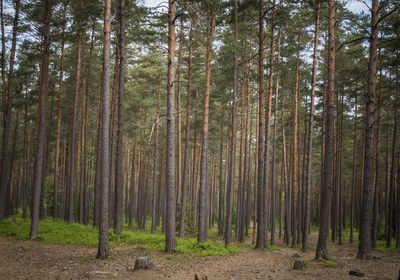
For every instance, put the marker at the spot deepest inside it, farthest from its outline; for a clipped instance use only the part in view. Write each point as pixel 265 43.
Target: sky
pixel 355 6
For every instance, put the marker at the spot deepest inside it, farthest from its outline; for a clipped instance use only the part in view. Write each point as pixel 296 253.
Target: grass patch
pixel 307 262
pixel 330 263
pixel 273 247
pixel 381 246
pixel 59 232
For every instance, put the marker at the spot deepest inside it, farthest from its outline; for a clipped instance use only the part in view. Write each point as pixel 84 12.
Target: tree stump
pixel 299 264
pixel 143 263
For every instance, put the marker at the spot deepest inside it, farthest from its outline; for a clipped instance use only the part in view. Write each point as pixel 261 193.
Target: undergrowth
pixel 59 232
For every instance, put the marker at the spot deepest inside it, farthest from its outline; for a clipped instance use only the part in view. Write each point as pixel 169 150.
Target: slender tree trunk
pixel 40 148
pixel 119 175
pixel 103 249
pixel 307 214
pixel 231 176
pixel 155 167
pixel 202 226
pixel 72 174
pixel 170 239
pixel 187 135
pixel 7 106
pixel 364 247
pixel 353 181
pixel 60 99
pixel 261 141
pixel 326 185
pixel 178 115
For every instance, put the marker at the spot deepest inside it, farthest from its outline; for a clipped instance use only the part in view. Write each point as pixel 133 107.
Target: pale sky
pixel 355 6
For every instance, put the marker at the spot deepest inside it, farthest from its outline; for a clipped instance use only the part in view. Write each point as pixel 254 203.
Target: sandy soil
pixel 32 260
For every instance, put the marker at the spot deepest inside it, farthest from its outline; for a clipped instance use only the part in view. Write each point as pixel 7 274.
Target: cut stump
pixel 143 263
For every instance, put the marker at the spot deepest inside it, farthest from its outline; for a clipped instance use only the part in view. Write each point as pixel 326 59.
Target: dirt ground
pixel 33 260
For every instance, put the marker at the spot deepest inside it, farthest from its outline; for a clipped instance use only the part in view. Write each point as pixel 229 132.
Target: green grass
pixel 273 247
pixel 59 232
pixel 307 262
pixel 330 263
pixel 381 246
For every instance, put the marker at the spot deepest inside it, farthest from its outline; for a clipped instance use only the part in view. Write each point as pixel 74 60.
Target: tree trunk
pixel 155 167
pixel 307 213
pixel 103 249
pixel 170 239
pixel 326 179
pixel 40 149
pixel 364 247
pixel 260 150
pixel 202 225
pixel 119 175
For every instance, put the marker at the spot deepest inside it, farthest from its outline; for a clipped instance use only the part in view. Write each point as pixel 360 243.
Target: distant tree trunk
pixel 295 147
pixel 285 182
pixel 377 161
pixel 231 176
pixel 187 134
pixel 273 181
pixel 353 181
pixel 155 167
pixel 202 225
pixel 178 115
pixel 364 247
pixel 261 144
pixel 103 249
pixel 72 174
pixel 170 239
pixel 132 186
pixel 7 106
pixel 119 175
pixel 26 167
pixel 221 186
pixel 326 185
pixel 307 214
pixel 40 149
pixel 60 97
pixel 268 125
pixel 97 181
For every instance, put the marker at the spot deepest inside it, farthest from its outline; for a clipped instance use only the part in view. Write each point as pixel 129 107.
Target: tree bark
pixel 202 224
pixel 326 179
pixel 119 175
pixel 103 250
pixel 40 149
pixel 170 239
pixel 307 213
pixel 365 245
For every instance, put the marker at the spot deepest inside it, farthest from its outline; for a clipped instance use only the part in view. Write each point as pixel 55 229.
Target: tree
pixel 326 179
pixel 119 177
pixel 170 234
pixel 40 149
pixel 365 245
pixel 103 250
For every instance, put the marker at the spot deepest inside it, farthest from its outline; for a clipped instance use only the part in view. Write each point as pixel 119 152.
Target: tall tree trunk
pixel 60 99
pixel 353 180
pixel 40 149
pixel 326 179
pixel 268 124
pixel 202 225
pixel 273 181
pixel 178 115
pixel 170 234
pixel 187 134
pixel 7 106
pixel 260 150
pixel 155 167
pixel 364 247
pixel 103 249
pixel 231 178
pixel 119 175
pixel 307 213
pixel 72 174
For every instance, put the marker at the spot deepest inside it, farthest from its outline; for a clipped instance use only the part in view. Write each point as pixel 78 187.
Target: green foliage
pixel 59 232
pixel 307 262
pixel 273 247
pixel 330 263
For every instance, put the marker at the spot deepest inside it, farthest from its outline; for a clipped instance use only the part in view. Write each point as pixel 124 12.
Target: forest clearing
pixel 228 139
pixel 37 260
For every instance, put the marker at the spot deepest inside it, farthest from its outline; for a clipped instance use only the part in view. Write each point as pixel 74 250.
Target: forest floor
pixel 35 260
